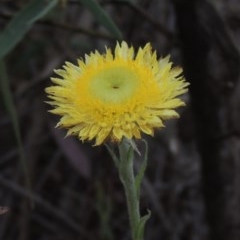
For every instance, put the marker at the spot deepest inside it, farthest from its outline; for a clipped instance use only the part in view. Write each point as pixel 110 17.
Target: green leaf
pixel 113 155
pixel 126 153
pixel 22 22
pixel 141 226
pixel 139 177
pixel 134 146
pixel 102 17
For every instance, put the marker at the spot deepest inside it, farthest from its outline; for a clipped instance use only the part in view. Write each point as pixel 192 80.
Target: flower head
pixel 117 94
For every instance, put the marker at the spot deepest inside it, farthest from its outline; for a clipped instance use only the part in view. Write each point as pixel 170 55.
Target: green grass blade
pixel 22 22
pixel 102 17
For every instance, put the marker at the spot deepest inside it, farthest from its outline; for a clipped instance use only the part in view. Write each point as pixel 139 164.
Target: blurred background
pixel 56 188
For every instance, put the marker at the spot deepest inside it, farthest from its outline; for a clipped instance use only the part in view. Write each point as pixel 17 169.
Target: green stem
pixel 127 177
pixel 131 184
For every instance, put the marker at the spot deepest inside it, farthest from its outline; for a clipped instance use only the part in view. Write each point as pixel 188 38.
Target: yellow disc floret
pixel 116 95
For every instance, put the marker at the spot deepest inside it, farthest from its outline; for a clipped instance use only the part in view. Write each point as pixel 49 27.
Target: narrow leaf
pixel 113 155
pixel 22 22
pixel 130 154
pixel 126 153
pixel 134 146
pixel 141 226
pixel 139 177
pixel 102 17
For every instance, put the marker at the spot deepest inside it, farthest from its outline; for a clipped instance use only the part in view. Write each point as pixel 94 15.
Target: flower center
pixel 114 84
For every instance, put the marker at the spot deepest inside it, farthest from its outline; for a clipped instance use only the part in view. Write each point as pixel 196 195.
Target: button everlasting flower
pixel 117 94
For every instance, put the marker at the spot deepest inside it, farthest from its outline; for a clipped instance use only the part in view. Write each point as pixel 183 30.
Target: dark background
pixel 56 188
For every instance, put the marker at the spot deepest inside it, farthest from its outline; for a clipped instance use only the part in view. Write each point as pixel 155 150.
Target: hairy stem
pixel 127 177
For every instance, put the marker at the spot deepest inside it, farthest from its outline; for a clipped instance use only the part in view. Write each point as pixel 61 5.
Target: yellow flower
pixel 117 94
